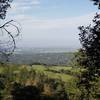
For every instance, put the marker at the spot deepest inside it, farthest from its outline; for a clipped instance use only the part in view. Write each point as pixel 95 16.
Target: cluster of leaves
pixel 79 59
pixel 4 5
pixel 96 2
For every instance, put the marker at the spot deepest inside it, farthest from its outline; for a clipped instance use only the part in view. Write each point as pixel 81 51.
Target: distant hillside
pixel 42 56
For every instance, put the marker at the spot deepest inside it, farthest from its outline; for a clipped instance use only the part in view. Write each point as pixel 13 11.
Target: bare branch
pixel 8 45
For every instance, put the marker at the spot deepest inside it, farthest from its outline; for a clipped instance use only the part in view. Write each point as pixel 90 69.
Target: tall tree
pixel 90 40
pixel 90 51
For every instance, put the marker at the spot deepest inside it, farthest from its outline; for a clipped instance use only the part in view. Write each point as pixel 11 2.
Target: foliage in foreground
pixel 23 82
pixel 90 56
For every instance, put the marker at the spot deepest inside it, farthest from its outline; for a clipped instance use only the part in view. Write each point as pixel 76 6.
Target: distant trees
pixel 8 31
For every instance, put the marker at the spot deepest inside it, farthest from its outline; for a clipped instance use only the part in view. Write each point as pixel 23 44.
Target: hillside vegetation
pixel 55 82
pixel 25 82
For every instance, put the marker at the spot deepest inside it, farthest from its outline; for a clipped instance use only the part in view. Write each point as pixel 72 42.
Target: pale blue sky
pixel 62 8
pixel 51 23
pixel 54 8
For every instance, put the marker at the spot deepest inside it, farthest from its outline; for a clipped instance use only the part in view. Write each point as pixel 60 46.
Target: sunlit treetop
pixel 4 5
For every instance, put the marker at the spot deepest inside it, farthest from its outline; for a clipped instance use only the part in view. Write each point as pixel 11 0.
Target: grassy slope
pixel 64 77
pixel 42 69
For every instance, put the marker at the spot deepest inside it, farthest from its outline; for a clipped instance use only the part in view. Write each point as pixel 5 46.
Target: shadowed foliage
pixel 25 93
pixel 20 92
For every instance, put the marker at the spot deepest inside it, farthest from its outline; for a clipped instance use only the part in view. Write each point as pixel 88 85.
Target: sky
pixel 51 23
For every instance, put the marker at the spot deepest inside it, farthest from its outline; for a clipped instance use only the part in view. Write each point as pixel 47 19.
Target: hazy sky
pixel 51 23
